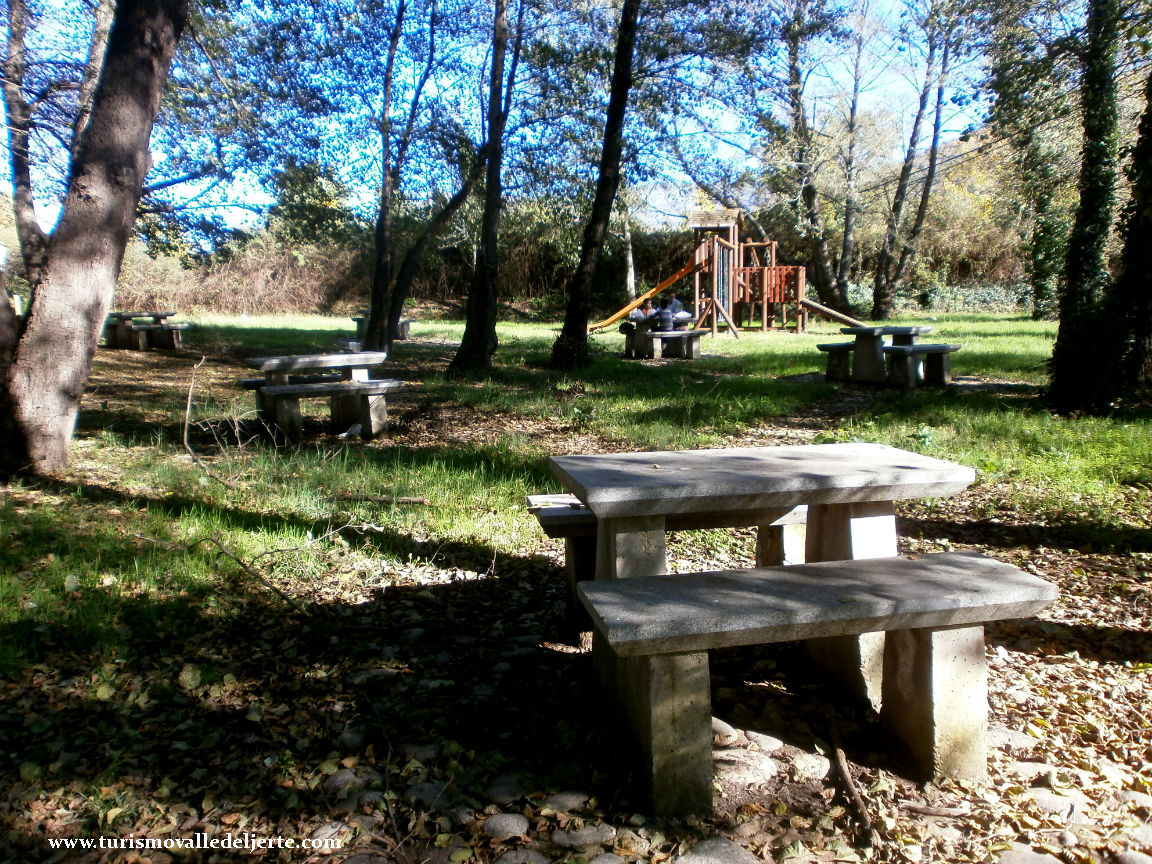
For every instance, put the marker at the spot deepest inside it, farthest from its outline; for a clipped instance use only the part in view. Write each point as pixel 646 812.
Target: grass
pixel 145 528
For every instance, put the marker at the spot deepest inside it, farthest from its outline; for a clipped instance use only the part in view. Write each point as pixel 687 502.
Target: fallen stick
pixel 858 806
pixel 381 499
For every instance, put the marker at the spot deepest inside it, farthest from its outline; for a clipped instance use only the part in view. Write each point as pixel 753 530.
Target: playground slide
pixel 688 269
pixel 832 313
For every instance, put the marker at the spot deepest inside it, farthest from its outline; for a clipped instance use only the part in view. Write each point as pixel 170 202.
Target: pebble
pixel 426 794
pixel 343 783
pixel 1029 771
pixel 1051 802
pixel 717 850
pixel 506 788
pixel 564 802
pixel 1140 799
pixel 1021 854
pixel 1142 836
pixel 607 858
pixel 763 742
pixel 723 734
pixel 422 752
pixel 589 835
pixel 813 766
pixel 522 856
pixel 1133 857
pixel 504 826
pixel 744 767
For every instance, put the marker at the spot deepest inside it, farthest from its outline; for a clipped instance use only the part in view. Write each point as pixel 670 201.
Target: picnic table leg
pixel 843 532
pixel 936 698
pixel 782 541
pixel 868 360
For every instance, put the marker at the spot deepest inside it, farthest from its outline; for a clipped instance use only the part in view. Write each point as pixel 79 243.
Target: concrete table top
pixel 625 485
pixel 361 359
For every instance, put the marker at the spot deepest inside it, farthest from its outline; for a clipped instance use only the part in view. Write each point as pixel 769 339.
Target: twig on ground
pixel 188 422
pixel 927 810
pixel 255 574
pixel 381 499
pixel 849 784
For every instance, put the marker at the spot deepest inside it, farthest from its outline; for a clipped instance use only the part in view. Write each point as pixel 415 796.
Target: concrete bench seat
pixel 658 344
pixel 659 630
pixel 257 383
pixel 352 403
pixel 905 361
pixel 839 360
pixel 140 336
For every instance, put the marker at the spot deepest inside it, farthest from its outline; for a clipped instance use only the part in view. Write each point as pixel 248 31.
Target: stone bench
pixel 353 402
pixel 139 337
pixel 653 634
pixel 403 328
pixel 904 365
pixel 658 344
pixel 257 383
pixel 839 360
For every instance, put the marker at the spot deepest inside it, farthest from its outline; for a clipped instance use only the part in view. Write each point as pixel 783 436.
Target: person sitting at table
pixel 663 319
pixel 645 310
pixel 674 303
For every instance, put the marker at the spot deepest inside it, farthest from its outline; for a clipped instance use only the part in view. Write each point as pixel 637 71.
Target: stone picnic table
pixel 849 492
pixel 868 365
pixel 121 330
pixel 357 400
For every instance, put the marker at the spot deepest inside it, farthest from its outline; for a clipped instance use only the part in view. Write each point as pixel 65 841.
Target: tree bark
pixel 40 394
pixel 1075 379
pixel 1129 302
pixel 570 351
pixel 883 291
pixel 410 263
pixel 33 241
pixel 479 341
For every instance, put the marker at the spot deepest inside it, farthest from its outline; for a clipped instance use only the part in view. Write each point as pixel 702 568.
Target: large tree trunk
pixel 479 341
pixel 1129 303
pixel 1075 375
pixel 49 367
pixel 570 350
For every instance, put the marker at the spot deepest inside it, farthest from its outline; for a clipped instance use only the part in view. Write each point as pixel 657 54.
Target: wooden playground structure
pixel 737 282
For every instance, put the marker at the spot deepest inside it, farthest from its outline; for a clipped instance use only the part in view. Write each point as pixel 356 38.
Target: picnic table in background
pixel 357 399
pixel 138 331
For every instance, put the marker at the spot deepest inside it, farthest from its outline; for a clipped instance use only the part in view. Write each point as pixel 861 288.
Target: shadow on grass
pixel 211 706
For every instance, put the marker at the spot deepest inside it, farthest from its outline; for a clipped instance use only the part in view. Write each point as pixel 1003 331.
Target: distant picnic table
pixel 138 331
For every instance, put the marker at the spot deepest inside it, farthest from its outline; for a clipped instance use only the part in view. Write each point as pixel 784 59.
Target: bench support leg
pixel 844 532
pixel 579 566
pixel 839 369
pixel 631 547
pixel 936 698
pixel 288 418
pixel 667 702
pixel 904 371
pixel 868 361
pixel 937 369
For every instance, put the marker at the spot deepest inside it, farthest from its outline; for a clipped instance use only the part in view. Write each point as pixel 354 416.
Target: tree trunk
pixel 1075 376
pixel 629 257
pixel 883 291
pixel 1129 306
pixel 33 241
pixel 479 341
pixel 382 235
pixel 570 350
pixel 908 246
pixel 410 263
pixel 40 395
pixel 851 172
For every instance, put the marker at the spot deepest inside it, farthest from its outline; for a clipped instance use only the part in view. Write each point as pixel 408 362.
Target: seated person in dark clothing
pixel 663 319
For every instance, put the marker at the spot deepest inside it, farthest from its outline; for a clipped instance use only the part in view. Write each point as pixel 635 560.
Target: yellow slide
pixel 688 269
